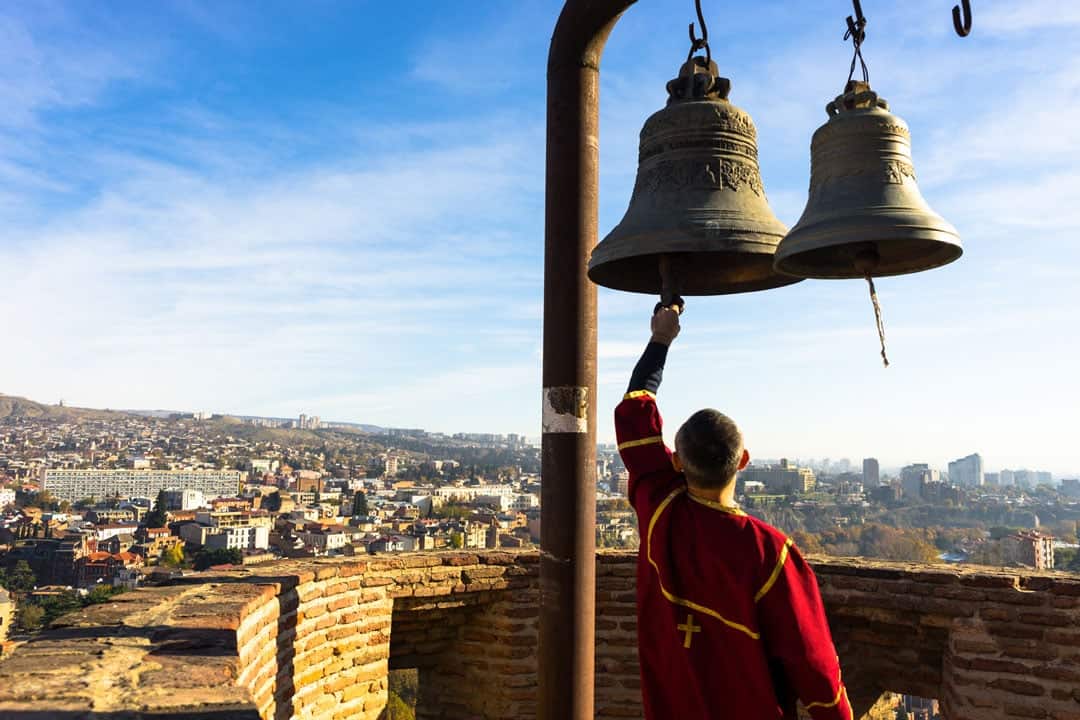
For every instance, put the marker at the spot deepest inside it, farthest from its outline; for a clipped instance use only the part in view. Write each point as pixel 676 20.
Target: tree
pixel 30 616
pixel 1067 559
pixel 21 578
pixel 808 543
pixel 454 511
pixel 102 593
pixel 457 540
pixel 157 517
pixel 173 555
pixel 56 605
pixel 43 500
pixel 359 505
pixel 999 531
pixel 218 556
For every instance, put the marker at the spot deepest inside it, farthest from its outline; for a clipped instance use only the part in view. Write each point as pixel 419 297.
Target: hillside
pixel 14 407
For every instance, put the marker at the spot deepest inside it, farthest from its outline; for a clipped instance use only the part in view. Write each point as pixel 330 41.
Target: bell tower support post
pixel 568 454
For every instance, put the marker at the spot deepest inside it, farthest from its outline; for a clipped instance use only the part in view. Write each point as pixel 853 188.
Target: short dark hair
pixel 710 447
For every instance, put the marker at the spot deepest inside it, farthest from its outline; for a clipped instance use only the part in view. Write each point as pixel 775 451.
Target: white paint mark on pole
pixel 566 409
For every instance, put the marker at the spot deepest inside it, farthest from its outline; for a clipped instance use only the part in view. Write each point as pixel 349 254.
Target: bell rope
pixel 877 317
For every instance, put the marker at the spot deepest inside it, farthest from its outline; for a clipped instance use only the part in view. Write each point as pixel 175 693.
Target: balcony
pixel 317 639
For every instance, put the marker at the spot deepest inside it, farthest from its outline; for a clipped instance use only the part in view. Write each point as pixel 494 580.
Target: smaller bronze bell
pixel 698 221
pixel 865 215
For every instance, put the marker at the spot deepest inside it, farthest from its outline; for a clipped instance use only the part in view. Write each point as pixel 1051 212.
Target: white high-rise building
pixel 967 471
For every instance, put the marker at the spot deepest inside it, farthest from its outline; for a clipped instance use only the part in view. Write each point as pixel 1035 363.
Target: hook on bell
pixel 865 214
pixel 698 199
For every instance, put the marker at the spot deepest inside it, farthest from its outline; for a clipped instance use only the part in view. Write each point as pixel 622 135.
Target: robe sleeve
pixel 639 429
pixel 796 635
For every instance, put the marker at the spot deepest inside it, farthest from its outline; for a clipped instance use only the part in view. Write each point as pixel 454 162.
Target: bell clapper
pixel 866 261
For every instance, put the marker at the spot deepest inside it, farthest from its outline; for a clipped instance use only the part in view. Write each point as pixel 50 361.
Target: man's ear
pixel 745 459
pixel 676 462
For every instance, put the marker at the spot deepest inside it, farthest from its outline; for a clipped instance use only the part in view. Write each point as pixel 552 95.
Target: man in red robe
pixel 730 619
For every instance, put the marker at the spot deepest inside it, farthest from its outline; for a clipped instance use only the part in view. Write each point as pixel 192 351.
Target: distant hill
pixel 11 406
pixel 289 437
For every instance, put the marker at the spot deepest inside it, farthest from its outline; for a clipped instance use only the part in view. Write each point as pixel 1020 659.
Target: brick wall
pixel 316 639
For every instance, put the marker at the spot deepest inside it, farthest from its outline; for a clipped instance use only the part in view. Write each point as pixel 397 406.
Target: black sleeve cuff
pixel 649 369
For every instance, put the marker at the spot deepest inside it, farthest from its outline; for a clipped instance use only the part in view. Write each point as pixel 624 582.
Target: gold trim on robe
pixel 671 597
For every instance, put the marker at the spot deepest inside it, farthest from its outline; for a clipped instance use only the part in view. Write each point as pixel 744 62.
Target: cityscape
pixel 95 503
pixel 315 317
pixel 90 499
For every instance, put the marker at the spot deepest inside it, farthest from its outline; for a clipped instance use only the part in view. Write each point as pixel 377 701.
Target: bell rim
pixel 934 247
pixel 640 273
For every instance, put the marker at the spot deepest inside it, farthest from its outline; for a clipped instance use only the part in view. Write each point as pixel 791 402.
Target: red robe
pixel 730 619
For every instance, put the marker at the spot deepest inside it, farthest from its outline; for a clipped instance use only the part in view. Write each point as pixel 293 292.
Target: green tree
pixel 457 540
pixel 21 578
pixel 102 593
pixel 454 511
pixel 30 616
pixel 157 517
pixel 218 556
pixel 999 531
pixel 43 500
pixel 56 605
pixel 359 505
pixel 173 555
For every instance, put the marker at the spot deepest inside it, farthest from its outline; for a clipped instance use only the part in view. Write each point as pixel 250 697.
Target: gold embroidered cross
pixel 689 628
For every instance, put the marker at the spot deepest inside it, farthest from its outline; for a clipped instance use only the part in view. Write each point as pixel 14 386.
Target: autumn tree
pixel 30 616
pixel 173 556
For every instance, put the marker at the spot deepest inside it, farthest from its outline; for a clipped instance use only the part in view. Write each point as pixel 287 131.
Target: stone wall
pixel 316 639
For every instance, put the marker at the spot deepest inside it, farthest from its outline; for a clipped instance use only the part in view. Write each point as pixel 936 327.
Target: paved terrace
pixel 316 639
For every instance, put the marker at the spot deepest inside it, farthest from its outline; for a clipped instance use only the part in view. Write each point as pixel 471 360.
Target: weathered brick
pixel 1021 687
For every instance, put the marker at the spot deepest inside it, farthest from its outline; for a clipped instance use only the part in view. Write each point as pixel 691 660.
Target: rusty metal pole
pixel 568 454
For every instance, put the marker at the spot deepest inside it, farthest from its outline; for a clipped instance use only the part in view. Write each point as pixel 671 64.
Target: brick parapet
pixel 317 638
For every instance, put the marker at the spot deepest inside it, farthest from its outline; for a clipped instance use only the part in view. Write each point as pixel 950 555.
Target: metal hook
pixel 856 26
pixel 697 43
pixel 704 29
pixel 962 26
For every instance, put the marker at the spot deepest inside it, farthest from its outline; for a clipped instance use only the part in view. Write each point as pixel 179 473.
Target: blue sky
pixel 337 208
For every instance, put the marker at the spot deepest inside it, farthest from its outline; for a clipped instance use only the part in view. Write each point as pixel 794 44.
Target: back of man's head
pixel 710 448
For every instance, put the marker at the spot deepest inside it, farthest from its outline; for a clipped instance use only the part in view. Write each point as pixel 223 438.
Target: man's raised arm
pixel 638 426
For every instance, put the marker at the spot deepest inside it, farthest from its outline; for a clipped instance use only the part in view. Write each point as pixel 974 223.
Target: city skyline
pixel 259 210
pixel 888 466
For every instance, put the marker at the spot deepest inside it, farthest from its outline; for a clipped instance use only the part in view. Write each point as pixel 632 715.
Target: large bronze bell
pixel 698 205
pixel 865 215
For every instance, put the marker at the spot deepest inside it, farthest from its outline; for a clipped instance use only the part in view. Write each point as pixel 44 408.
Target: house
pixel 103 567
